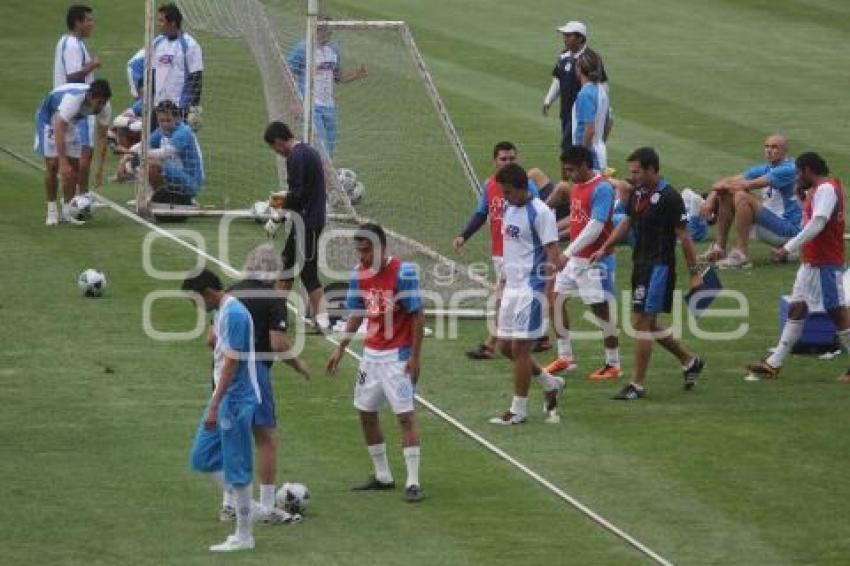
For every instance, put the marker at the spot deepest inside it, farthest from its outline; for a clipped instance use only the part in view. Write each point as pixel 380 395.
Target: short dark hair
pixel 813 162
pixel 99 88
pixel 167 107
pixel 369 231
pixel 646 157
pixel 277 131
pixel 512 175
pixel 503 146
pixel 171 13
pixel 76 13
pixel 577 155
pixel 200 281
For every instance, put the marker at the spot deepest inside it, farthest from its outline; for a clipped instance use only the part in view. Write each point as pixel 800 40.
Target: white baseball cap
pixel 574 27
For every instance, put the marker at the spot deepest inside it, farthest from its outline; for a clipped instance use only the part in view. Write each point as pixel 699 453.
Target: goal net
pixel 379 120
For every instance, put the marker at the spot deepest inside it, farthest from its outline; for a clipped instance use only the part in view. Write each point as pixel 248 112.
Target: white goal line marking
pixel 230 270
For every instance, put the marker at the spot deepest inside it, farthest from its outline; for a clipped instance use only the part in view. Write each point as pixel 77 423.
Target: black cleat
pixel 630 393
pixel 692 372
pixel 413 494
pixel 373 484
pixel 482 352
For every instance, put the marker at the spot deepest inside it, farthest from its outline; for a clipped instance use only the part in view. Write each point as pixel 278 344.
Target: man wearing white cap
pixel 565 81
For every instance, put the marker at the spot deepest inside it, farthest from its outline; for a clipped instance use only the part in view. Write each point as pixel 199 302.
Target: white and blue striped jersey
pixel 592 107
pixel 780 196
pixel 526 230
pixel 68 101
pixel 173 61
pixel 71 56
pixel 135 72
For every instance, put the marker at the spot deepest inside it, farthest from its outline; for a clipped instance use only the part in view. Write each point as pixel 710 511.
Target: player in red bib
pixel 491 205
pixel 592 201
pixel 385 291
pixel 820 279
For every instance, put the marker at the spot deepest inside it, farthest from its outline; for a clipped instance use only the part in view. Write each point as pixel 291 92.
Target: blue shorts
pixel 652 288
pixel 697 228
pixel 325 117
pixel 229 445
pixel 774 223
pixel 264 414
pixel 178 179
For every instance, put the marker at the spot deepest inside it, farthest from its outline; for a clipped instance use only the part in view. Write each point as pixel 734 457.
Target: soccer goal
pixel 390 150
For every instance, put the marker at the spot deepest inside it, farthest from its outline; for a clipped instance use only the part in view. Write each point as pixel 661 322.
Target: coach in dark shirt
pixel 565 81
pixel 307 197
pixel 657 213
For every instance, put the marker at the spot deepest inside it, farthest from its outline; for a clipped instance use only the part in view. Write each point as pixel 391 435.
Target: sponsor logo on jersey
pixel 166 59
pixel 512 231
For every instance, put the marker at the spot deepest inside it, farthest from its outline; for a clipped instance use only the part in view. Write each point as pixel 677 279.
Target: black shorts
pixel 652 288
pixel 307 254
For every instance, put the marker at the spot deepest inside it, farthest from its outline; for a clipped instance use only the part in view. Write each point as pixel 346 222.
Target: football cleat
pixel 374 484
pixel 234 543
pixel 606 373
pixel 52 218
pixel 413 494
pixel 713 254
pixel 735 260
pixel 630 393
pixel 691 373
pixel 275 516
pixel 762 369
pixel 482 352
pixel 561 364
pixel 507 418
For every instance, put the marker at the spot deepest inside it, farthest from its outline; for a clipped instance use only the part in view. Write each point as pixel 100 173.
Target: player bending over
pixel 385 291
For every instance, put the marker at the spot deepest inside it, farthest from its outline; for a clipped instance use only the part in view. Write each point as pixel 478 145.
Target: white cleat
pixel 52 218
pixel 234 543
pixel 274 516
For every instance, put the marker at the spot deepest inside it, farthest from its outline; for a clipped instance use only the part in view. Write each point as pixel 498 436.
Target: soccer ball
pixel 356 194
pixel 260 211
pixel 293 497
pixel 92 283
pixel 80 207
pixel 347 179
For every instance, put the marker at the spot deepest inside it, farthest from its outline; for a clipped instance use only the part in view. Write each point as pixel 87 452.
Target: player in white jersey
pixel 57 138
pixel 74 64
pixel 178 65
pixel 531 257
pixel 327 72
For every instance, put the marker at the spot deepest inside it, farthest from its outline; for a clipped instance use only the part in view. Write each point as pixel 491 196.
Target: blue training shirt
pixel 234 330
pixel 780 196
pixel 187 151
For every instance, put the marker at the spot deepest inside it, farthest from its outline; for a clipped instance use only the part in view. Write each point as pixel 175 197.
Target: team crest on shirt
pixel 655 198
pixel 497 207
pixel 166 59
pixel 512 231
pixel 577 212
pixel 377 301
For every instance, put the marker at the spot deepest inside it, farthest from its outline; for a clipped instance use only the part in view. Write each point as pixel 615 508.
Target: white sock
pixel 844 339
pixel 790 334
pixel 637 386
pixel 243 511
pixel 267 496
pixel 565 346
pixel 546 380
pixel 51 206
pixel 228 499
pixel 411 459
pixel 612 357
pixel 66 209
pixel 378 452
pixel 519 406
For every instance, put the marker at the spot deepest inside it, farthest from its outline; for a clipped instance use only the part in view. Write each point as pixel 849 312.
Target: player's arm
pixel 741 183
pixel 102 123
pixel 356 74
pixel 237 330
pixel 551 95
pixel 296 166
pixel 824 202
pixel 356 311
pixel 411 301
pixel 615 238
pixel 80 75
pixel 277 323
pixel 609 125
pixel 475 222
pixel 690 255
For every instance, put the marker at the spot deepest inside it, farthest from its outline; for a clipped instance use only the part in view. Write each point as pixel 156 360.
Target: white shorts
pixel 821 287
pixel 522 315
pixel 590 282
pixel 45 141
pixel 384 380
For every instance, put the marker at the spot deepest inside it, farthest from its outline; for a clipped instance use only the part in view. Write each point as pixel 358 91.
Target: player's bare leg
pixel 841 318
pixel 692 364
pixel 51 189
pixel 86 154
pixel 746 209
pixel 564 360
pixel 265 440
pixel 411 451
pixel 382 478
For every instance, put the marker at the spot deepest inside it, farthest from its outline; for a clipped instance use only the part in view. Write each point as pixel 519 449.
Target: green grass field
pixel 97 418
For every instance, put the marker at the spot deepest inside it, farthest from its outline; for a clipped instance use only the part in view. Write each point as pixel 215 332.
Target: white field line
pixel 231 271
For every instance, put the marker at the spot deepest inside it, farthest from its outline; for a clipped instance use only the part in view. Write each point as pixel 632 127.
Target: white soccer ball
pixel 293 497
pixel 261 211
pixel 347 179
pixel 80 207
pixel 92 283
pixel 356 194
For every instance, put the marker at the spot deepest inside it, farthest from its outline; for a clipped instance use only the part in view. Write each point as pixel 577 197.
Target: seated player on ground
pixel 772 218
pixel 177 166
pixel 125 133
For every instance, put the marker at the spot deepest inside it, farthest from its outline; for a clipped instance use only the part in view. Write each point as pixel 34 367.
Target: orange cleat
pixel 607 373
pixel 561 364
